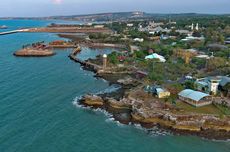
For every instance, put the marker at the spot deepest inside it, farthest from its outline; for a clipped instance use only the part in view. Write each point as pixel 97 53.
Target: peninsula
pixel 173 74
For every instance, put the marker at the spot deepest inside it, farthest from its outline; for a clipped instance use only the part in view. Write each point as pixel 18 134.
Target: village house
pixel 138 40
pixel 99 26
pixel 158 91
pixel 227 41
pixel 155 56
pixel 224 86
pixel 162 93
pixel 208 84
pixel 152 27
pixel 195 98
pixel 129 25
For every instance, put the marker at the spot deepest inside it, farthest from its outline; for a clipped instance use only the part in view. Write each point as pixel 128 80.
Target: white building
pixel 138 40
pixel 99 26
pixel 208 84
pixel 129 25
pixel 155 56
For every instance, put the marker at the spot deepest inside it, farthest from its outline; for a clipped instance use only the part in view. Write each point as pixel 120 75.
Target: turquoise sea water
pixel 37 113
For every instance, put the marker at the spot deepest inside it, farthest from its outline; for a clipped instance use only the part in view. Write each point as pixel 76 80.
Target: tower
pixel 197 26
pixel 104 61
pixel 192 27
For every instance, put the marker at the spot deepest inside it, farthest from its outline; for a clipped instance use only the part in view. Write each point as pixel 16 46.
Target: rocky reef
pixel 34 53
pixel 128 111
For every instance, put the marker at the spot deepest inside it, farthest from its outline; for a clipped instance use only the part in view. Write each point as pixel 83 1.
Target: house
pixel 193 51
pixel 202 85
pixel 99 26
pixel 213 83
pixel 129 25
pixel 134 48
pixel 138 40
pixel 158 91
pixel 208 84
pixel 162 93
pixel 227 41
pixel 152 27
pixel 190 38
pixel 156 30
pixel 195 98
pixel 216 47
pixel 183 31
pixel 155 56
pixel 203 56
pixel 224 86
pixel 141 74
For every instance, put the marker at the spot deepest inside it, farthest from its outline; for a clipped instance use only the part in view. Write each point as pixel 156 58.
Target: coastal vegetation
pixel 152 56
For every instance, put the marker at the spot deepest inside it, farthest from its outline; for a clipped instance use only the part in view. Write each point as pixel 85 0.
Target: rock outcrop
pixel 34 53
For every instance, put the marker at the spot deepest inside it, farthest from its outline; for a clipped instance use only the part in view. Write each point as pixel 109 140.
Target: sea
pixel 39 110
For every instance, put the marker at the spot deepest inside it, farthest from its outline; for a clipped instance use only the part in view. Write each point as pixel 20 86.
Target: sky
pixel 42 8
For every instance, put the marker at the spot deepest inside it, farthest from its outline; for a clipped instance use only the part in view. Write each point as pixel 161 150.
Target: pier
pixel 86 64
pixel 13 31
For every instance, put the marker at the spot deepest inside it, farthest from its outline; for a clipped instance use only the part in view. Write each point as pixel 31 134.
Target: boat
pixel 3 27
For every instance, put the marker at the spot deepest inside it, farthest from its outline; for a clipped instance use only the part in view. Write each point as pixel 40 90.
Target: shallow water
pixel 37 111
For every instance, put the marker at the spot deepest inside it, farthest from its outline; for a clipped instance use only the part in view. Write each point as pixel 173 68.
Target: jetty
pixel 92 66
pixel 13 31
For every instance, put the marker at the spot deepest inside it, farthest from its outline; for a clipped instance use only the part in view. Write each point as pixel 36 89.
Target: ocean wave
pixel 154 131
pixel 112 120
pixel 112 88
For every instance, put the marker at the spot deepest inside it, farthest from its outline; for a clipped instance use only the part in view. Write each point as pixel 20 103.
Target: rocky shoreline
pixel 125 112
pixel 128 110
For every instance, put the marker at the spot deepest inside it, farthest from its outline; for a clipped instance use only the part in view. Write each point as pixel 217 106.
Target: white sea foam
pixel 110 89
pixel 154 131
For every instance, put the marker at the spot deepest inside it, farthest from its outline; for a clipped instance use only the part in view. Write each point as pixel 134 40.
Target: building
pixel 129 25
pixel 99 26
pixel 155 56
pixel 141 74
pixel 134 48
pixel 190 38
pixel 183 31
pixel 208 84
pixel 162 93
pixel 224 86
pixel 104 61
pixel 195 98
pixel 213 83
pixel 203 56
pixel 227 41
pixel 138 40
pixel 158 91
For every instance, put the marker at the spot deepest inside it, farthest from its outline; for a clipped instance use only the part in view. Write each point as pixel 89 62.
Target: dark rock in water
pixel 123 118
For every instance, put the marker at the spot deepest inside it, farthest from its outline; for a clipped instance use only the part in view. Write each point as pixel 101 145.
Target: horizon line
pixel 99 13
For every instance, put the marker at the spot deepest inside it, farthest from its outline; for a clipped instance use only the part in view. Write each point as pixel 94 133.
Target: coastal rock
pixel 118 106
pixel 34 53
pixel 93 101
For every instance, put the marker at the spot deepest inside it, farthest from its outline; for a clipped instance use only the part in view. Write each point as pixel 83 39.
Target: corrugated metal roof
pixel 224 81
pixel 194 95
pixel 159 90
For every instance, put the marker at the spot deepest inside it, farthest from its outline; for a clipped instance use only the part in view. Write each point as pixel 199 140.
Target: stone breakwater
pixel 128 111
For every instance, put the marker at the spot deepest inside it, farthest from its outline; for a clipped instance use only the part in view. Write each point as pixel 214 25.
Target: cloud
pixel 57 1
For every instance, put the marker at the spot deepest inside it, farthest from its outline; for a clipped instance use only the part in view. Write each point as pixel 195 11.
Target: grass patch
pixel 208 109
pixel 225 110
